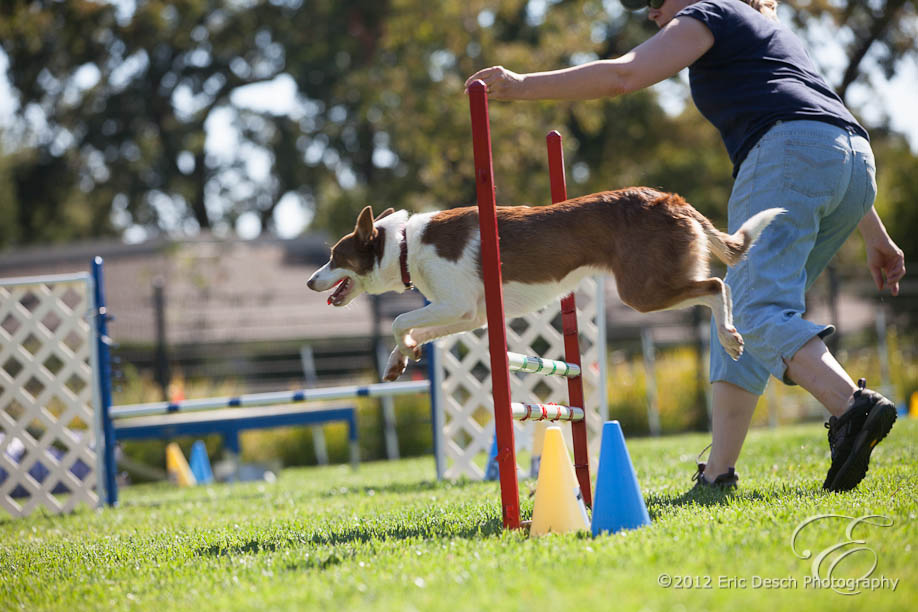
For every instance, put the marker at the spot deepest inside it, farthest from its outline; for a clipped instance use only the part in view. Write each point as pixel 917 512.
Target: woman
pixel 793 144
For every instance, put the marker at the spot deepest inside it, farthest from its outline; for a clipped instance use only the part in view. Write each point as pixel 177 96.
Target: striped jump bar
pixel 273 398
pixel 537 365
pixel 545 412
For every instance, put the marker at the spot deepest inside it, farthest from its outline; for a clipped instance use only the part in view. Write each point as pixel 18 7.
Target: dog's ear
pixel 385 213
pixel 364 230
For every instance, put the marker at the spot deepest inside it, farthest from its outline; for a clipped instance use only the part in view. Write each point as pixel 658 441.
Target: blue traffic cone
pixel 200 464
pixel 618 503
pixel 492 472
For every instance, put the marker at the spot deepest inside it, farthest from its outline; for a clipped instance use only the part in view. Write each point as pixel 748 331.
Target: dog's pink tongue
pixel 332 296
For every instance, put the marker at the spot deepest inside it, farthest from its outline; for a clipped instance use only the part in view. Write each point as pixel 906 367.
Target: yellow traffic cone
pixel 177 467
pixel 538 440
pixel 558 502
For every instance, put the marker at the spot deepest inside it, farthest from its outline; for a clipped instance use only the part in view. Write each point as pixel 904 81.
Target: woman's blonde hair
pixel 769 8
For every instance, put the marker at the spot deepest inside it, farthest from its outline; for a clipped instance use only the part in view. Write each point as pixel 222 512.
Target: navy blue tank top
pixel 757 73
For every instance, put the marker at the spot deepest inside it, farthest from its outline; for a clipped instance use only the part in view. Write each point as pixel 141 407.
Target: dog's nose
pixel 311 283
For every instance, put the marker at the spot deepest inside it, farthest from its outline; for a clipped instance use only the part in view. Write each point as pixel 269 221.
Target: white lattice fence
pixel 465 402
pixel 47 394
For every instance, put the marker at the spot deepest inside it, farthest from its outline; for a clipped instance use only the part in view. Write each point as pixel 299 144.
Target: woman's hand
pixel 887 264
pixel 502 84
pixel 885 260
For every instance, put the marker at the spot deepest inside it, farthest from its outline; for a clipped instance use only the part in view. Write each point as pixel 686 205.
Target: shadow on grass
pixel 657 504
pixel 311 561
pixel 402 487
pixel 172 499
pixel 428 530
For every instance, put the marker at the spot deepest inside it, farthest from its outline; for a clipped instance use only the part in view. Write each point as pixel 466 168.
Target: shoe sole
pixel 878 424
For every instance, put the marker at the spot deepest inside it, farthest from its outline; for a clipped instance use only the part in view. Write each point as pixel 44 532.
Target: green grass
pixel 388 537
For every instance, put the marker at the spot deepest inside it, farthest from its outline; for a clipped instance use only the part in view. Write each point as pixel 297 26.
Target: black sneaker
pixel 853 435
pixel 725 481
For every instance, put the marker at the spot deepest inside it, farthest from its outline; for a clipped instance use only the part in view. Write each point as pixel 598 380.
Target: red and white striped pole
pixel 569 328
pixel 494 301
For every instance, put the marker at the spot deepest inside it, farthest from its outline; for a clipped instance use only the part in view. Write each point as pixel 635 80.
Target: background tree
pixel 884 30
pixel 119 108
pixel 114 111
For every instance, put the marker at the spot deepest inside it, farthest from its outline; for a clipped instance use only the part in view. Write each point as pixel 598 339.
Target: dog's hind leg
pixel 715 294
pixel 728 301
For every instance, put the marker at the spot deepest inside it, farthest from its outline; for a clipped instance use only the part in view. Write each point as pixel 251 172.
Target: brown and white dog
pixel 655 244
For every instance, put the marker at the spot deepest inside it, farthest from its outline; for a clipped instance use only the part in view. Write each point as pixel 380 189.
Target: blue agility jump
pixel 204 416
pixel 229 423
pixel 255 411
pixel 268 399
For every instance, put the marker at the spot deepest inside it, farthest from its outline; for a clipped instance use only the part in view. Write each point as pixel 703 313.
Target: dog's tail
pixel 731 248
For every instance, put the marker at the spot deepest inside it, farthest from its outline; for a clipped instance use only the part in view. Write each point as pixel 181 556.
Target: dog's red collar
pixel 403 261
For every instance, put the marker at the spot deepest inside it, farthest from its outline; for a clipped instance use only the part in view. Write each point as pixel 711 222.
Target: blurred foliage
pixel 675 377
pixel 882 31
pixel 118 103
pixel 295 446
pixel 781 404
pixel 897 185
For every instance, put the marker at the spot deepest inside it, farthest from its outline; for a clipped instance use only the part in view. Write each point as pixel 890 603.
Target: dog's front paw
pixel 411 349
pixel 732 342
pixel 395 366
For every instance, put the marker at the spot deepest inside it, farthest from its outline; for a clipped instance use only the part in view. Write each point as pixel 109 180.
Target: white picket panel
pixel 48 393
pixel 465 403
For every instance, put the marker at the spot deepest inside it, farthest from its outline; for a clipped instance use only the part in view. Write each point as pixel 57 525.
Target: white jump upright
pixel 502 362
pixel 50 422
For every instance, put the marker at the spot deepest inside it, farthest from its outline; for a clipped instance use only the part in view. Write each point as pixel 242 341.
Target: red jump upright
pixel 570 330
pixel 497 330
pixel 494 299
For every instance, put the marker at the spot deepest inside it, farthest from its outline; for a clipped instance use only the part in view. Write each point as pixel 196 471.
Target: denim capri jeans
pixel 825 177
